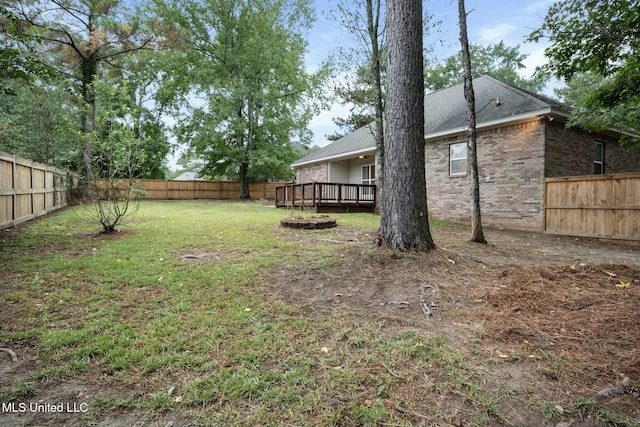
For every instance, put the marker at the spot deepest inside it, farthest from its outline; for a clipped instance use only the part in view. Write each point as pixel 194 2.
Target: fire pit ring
pixel 308 222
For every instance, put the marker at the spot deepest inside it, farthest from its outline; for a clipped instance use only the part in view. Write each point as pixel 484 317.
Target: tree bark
pixel 404 222
pixel 243 168
pixel 373 26
pixel 244 181
pixel 472 157
pixel 248 146
pixel 89 72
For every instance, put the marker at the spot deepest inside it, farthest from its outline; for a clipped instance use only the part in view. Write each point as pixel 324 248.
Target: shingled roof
pixel 445 113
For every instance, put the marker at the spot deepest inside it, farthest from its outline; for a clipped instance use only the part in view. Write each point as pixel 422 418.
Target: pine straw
pixel 574 317
pixel 572 326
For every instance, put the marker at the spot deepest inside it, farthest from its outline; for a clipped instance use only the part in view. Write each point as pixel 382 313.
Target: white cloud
pixel 540 6
pixel 496 33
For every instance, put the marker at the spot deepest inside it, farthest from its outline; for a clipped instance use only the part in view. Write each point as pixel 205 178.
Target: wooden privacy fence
pixel 606 206
pixel 185 190
pixel 29 189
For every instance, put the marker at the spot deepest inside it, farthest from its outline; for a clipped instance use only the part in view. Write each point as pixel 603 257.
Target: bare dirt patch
pixel 198 255
pixel 549 320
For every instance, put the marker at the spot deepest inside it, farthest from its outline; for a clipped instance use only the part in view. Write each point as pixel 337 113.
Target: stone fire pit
pixel 308 222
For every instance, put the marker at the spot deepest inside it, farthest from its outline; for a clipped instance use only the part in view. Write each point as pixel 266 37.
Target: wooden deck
pixel 327 197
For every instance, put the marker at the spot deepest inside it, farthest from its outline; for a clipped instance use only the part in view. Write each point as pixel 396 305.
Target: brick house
pixel 521 140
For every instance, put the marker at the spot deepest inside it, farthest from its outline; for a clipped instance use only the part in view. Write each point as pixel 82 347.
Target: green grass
pixel 595 410
pixel 206 339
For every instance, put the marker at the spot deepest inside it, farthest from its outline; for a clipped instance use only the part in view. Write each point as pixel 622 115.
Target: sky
pixel 488 22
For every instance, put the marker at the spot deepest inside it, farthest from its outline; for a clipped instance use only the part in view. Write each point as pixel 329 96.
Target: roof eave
pixel 341 156
pixel 520 118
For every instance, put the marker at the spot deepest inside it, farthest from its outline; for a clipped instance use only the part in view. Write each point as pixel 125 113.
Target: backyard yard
pixel 213 314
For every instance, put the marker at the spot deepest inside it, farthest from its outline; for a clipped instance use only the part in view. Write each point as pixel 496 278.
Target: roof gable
pixel 446 109
pixel 446 112
pixel 187 176
pixel 358 141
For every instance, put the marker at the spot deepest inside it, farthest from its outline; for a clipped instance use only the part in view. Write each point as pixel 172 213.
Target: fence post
pixel 14 176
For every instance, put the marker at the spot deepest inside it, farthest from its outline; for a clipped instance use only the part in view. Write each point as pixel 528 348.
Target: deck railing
pixel 325 194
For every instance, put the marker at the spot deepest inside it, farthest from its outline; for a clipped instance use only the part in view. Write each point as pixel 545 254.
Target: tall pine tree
pixel 404 222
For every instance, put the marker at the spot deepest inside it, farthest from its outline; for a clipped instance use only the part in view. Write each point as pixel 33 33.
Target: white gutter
pixel 341 156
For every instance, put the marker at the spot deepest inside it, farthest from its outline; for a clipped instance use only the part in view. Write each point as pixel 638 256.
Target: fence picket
pixel 594 206
pixel 158 189
pixel 29 189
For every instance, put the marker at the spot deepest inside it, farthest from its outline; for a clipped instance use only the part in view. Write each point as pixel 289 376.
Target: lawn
pixel 211 313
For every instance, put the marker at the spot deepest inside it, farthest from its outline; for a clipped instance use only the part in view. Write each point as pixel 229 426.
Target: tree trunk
pixel 247 147
pixel 89 71
pixel 244 181
pixel 472 158
pixel 404 222
pixel 373 25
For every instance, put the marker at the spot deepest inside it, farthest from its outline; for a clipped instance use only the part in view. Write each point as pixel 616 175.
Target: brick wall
pixel 313 173
pixel 510 165
pixel 571 152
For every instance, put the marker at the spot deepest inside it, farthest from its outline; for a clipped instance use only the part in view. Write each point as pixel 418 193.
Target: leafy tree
pixel 39 122
pixel 120 108
pixel 140 79
pixel 367 95
pixel 17 59
pixel 359 93
pixel 472 157
pixel 578 87
pixel 364 89
pixel 79 37
pixel 600 37
pixel 244 63
pixel 117 158
pixel 189 162
pixel 498 60
pixel 404 223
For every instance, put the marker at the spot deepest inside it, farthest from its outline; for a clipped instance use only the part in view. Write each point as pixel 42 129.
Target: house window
pixel 369 174
pixel 368 178
pixel 598 159
pixel 458 159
